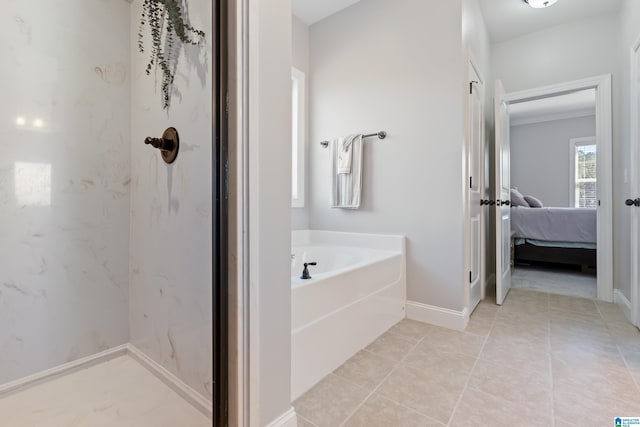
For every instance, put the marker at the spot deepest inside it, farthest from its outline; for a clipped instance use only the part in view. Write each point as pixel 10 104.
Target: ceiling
pixel 576 104
pixel 312 11
pixel 507 19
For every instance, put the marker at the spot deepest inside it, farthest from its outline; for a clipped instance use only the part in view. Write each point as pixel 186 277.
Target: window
pixel 298 133
pixel 584 193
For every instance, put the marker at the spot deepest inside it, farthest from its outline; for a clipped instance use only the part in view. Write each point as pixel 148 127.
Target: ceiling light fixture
pixel 538 4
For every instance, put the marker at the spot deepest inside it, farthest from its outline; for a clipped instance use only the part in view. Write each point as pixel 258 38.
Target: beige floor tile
pixel 378 411
pixel 479 326
pixel 517 354
pixel 624 332
pixel 594 381
pixel 434 397
pixel 391 346
pixel 573 304
pixel 411 329
pixel 576 319
pixel 365 369
pixel 330 402
pixel 523 310
pixel 561 423
pixel 477 408
pixel 534 333
pixel 586 355
pixel 303 422
pixel 453 341
pixel 515 385
pixel 438 364
pixel 610 312
pixel 527 296
pixel 586 411
pixel 522 314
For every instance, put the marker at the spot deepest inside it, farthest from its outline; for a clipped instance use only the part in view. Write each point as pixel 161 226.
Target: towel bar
pixel 381 135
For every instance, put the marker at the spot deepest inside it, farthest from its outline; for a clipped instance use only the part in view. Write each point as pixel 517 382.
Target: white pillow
pixel 517 199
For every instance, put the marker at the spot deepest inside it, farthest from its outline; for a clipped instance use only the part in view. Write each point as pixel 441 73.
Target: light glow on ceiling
pixel 538 4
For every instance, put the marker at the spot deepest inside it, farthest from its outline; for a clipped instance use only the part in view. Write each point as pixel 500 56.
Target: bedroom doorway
pixel 575 225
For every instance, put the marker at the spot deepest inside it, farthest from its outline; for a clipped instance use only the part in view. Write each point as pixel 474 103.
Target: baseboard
pixel 176 384
pixel 62 370
pixel 621 301
pixel 288 419
pixel 437 315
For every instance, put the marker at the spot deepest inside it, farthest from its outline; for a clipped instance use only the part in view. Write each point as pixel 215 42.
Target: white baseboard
pixel 437 315
pixel 62 370
pixel 288 419
pixel 176 384
pixel 621 301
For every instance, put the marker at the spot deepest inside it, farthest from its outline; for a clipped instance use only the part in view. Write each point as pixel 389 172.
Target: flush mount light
pixel 538 4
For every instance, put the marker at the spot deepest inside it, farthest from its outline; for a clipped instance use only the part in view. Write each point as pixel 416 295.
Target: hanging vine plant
pixel 166 26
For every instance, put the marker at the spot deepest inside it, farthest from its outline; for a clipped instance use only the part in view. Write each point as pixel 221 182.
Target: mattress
pixel 548 244
pixel 577 225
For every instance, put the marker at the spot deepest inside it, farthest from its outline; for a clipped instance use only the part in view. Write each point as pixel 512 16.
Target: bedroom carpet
pixel 538 360
pixel 554 280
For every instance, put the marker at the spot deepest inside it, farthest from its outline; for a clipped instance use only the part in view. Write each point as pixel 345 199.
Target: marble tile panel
pixel 119 392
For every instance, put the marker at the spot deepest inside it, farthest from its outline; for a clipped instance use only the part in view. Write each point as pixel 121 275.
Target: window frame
pixel 574 143
pixel 298 136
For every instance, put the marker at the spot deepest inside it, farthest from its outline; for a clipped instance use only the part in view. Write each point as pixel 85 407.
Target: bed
pixel 555 235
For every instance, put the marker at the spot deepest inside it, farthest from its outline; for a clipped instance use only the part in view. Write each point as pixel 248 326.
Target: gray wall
pixel 572 51
pixel 300 54
pixel 540 157
pixel 401 72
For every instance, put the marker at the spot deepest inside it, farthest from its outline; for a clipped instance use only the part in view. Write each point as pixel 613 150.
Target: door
pixel 635 184
pixel 475 129
pixel 502 195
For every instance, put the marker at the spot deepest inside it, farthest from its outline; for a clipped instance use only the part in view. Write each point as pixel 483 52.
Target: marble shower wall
pixel 64 181
pixel 170 299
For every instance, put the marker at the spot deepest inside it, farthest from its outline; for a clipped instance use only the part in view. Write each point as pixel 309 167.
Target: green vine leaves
pixel 168 28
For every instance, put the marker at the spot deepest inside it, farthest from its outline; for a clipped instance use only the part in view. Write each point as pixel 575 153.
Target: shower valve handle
pixel 305 272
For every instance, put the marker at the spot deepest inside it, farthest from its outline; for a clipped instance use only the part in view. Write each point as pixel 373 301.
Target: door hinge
pixel 471 86
pixel 470 182
pixel 598 202
pixel 470 278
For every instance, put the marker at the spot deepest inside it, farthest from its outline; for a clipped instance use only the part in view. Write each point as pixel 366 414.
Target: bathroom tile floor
pixel 119 392
pixel 539 360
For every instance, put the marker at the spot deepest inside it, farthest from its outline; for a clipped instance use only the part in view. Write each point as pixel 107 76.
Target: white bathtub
pixel 357 292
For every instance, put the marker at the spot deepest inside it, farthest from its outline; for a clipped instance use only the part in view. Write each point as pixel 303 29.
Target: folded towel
pixel 346 188
pixel 345 153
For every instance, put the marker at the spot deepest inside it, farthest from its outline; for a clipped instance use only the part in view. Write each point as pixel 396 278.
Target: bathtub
pixel 357 292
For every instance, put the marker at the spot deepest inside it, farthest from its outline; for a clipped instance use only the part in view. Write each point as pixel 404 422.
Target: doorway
pixel 582 153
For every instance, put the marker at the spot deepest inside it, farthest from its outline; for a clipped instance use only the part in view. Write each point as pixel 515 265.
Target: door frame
pixel 472 64
pixel 635 181
pixel 602 85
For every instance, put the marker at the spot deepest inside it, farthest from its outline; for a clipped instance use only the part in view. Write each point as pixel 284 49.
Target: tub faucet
pixel 305 272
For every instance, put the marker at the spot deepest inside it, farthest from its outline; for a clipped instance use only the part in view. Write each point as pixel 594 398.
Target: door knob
pixel 635 202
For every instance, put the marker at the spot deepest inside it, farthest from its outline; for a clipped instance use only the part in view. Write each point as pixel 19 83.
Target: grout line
pixel 475 363
pixel 306 420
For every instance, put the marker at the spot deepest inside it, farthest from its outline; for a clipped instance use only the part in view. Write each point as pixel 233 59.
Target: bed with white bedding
pixel 559 235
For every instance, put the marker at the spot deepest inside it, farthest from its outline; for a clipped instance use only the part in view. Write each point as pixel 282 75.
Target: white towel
pixel 346 188
pixel 345 153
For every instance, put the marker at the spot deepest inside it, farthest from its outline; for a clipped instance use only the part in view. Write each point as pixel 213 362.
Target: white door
pixel 475 129
pixel 635 184
pixel 502 195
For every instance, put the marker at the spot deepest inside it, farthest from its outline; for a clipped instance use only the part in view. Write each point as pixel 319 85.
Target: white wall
pixel 629 34
pixel 171 277
pixel 572 51
pixel 300 59
pixel 540 157
pixel 270 208
pixel 402 72
pixel 64 182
